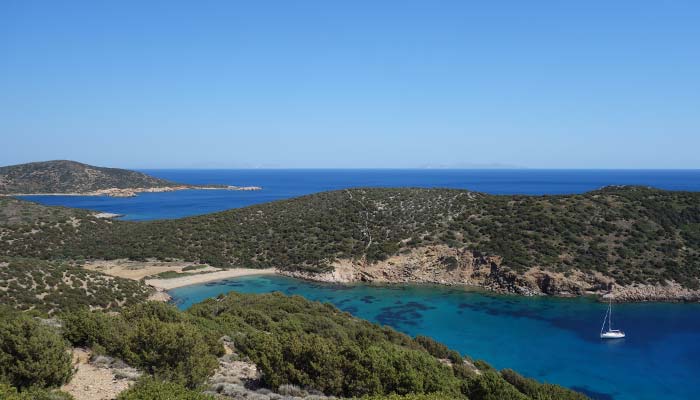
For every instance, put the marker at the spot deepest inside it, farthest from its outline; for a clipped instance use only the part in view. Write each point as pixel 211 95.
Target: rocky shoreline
pixel 461 267
pixel 132 192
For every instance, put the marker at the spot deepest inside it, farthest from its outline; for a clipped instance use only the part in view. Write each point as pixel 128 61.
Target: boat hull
pixel 612 335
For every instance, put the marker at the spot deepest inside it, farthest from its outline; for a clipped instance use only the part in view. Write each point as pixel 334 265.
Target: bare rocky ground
pixel 136 269
pixel 98 378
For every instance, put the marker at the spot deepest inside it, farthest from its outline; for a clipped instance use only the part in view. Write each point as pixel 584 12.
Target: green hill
pixel 64 176
pixel 632 234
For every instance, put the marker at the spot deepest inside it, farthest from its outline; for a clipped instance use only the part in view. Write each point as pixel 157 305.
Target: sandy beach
pixel 172 283
pixel 137 270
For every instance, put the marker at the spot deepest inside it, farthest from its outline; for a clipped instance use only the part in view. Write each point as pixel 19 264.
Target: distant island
pixel 63 177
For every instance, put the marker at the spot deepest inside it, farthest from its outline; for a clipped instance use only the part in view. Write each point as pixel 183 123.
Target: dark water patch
pixel 339 303
pixel 582 324
pixel 368 299
pixel 330 286
pixel 406 314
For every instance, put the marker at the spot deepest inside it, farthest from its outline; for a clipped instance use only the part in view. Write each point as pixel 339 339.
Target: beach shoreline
pixel 194 279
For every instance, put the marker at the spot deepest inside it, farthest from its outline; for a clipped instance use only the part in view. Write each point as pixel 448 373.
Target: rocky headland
pixel 71 178
pixel 133 192
pixel 461 267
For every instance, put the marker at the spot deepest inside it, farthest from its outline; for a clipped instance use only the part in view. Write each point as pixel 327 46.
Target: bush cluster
pixel 32 355
pixel 48 287
pixel 151 389
pixel 152 336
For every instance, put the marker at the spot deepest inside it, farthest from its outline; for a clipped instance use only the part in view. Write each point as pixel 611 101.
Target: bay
pixel 549 339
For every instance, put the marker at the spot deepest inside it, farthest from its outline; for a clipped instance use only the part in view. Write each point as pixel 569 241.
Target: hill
pixel 573 244
pixel 71 177
pixel 50 287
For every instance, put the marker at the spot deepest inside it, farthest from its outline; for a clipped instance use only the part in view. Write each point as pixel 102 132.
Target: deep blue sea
pixel 282 184
pixel 553 340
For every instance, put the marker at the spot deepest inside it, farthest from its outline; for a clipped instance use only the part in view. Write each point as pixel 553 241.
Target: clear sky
pixel 538 84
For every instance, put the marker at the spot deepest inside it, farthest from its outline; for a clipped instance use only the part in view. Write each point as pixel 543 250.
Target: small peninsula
pixel 63 177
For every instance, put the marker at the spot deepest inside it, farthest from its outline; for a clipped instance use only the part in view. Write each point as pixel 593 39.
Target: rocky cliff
pixel 452 266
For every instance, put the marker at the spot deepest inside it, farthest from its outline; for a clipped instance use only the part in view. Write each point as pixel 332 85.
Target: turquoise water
pixel 283 184
pixel 553 340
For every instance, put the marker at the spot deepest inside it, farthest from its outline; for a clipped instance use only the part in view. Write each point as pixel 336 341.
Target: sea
pixel 550 339
pixel 282 184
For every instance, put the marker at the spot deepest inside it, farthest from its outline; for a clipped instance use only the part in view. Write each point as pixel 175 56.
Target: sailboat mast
pixel 610 317
pixel 602 328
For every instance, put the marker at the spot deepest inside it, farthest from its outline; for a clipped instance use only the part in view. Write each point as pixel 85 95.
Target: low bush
pixel 538 390
pixel 151 389
pixel 32 354
pixel 8 392
pixel 152 336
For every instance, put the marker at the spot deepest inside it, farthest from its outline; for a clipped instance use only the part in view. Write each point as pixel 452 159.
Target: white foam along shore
pixel 194 279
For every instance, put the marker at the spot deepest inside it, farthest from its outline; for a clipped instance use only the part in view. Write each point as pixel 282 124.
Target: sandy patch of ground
pixel 138 269
pixel 167 284
pixel 91 382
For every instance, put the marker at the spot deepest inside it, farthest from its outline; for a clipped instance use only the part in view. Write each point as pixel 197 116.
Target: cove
pixel 549 339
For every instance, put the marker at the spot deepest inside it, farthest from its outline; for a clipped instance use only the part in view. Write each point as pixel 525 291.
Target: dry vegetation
pixel 48 287
pixel 634 234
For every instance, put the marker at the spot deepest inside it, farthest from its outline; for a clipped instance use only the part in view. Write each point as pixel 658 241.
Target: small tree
pixel 32 355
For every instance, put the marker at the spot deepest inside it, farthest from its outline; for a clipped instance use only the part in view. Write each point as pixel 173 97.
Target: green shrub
pixel 491 386
pixel 31 354
pixel 431 396
pixel 8 392
pixel 438 349
pixel 153 336
pixel 539 391
pixel 151 389
pixel 194 267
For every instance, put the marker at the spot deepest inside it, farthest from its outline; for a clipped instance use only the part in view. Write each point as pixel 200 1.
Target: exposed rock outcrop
pixel 459 266
pixel 671 291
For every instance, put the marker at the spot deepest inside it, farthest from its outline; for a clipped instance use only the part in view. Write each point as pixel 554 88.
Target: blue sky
pixel 537 84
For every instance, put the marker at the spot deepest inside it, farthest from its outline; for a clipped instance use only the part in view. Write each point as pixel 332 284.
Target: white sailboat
pixel 610 333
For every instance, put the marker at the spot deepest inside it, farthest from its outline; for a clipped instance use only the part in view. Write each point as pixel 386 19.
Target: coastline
pixel 194 279
pixel 420 266
pixel 132 192
pixel 466 268
pixel 672 292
